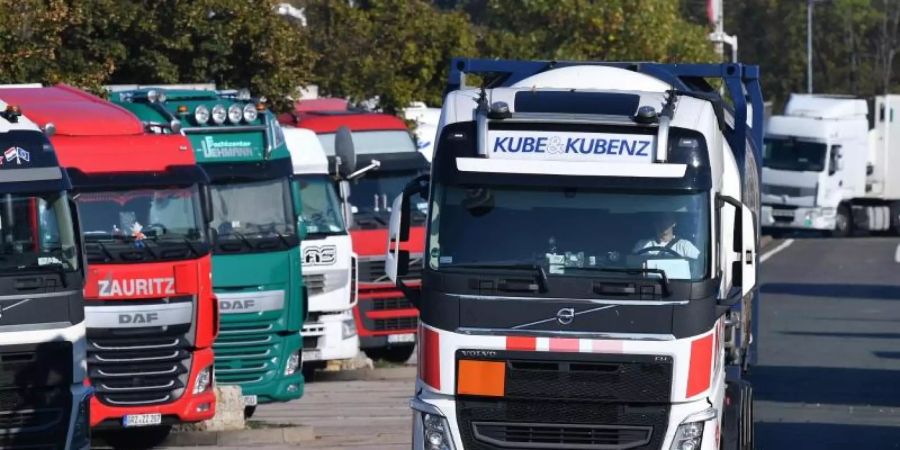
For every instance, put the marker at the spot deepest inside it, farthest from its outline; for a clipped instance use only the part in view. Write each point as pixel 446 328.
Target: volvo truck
pixel 384 150
pixel 151 318
pixel 329 265
pixel 825 170
pixel 591 258
pixel 44 400
pixel 255 219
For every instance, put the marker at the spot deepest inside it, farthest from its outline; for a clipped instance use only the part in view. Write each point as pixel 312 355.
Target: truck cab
pixel 151 318
pixel 329 264
pixel 387 158
pixel 45 400
pixel 590 259
pixel 256 223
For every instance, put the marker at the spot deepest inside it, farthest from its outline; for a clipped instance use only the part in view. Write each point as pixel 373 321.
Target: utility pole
pixel 716 18
pixel 809 21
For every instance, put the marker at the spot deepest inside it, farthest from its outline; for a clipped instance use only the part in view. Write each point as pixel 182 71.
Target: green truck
pixel 257 228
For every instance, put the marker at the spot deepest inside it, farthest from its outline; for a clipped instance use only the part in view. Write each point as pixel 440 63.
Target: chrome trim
pixel 578 334
pixel 138 374
pixel 254 380
pixel 224 129
pixel 152 358
pixel 174 343
pixel 702 416
pixel 242 369
pixel 44 295
pixel 264 340
pixel 35 327
pixel 226 332
pixel 246 355
pixel 137 388
pixel 142 402
pixel 583 300
pixel 423 407
pixel 556 316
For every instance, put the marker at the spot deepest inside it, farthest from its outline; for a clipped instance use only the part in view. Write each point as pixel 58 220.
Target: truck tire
pixel 737 420
pixel 843 223
pixel 396 354
pixel 895 217
pixel 137 438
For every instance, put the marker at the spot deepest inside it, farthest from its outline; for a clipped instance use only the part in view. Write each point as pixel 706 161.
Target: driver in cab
pixel 665 242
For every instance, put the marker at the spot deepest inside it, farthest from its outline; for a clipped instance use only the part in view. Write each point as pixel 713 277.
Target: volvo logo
pixel 565 316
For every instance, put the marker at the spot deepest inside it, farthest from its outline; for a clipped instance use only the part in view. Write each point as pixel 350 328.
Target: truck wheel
pixel 137 438
pixel 843 223
pixel 737 420
pixel 895 217
pixel 398 355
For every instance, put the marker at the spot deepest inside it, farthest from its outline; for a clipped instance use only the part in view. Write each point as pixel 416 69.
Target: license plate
pixel 401 338
pixel 250 400
pixel 312 355
pixel 141 420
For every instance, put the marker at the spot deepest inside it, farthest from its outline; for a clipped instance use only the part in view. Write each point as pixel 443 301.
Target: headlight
pixel 201 114
pixel 436 432
pixel 293 363
pixel 689 434
pixel 348 329
pixel 235 113
pixel 203 381
pixel 219 114
pixel 250 112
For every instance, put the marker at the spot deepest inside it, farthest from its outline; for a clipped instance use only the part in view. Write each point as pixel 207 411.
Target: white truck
pixel 44 402
pixel 591 258
pixel 329 265
pixel 824 169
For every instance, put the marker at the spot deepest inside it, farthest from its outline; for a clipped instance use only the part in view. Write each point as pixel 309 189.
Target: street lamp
pixel 809 21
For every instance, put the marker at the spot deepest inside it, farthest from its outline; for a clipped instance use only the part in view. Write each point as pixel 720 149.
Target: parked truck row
pixel 186 240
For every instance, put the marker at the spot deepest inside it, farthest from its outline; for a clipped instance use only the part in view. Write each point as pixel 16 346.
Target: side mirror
pixel 749 249
pixel 79 239
pixel 345 152
pixel 835 162
pixel 396 260
pixel 301 227
pixel 346 207
pixel 213 235
pixel 206 200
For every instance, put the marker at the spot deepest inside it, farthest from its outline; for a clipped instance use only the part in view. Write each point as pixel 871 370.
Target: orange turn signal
pixel 484 378
pixel 182 109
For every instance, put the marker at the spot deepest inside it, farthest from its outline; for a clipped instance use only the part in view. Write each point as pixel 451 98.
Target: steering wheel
pixel 658 248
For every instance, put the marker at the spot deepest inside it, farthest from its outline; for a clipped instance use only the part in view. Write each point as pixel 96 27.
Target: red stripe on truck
pixel 521 343
pixel 700 370
pixel 430 357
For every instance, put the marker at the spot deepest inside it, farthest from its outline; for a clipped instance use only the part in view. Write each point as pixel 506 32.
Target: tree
pixel 397 50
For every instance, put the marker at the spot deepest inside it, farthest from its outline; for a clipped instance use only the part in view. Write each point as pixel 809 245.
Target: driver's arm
pixel 689 250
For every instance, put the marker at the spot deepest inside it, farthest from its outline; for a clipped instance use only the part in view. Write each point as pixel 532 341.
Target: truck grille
pixel 139 366
pixel 246 352
pixel 790 191
pixel 372 270
pixel 35 396
pixel 496 425
pixel 395 323
pixel 315 283
pixel 567 436
pixel 384 304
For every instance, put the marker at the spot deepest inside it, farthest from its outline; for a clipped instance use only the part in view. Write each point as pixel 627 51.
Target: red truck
pixel 385 319
pixel 150 312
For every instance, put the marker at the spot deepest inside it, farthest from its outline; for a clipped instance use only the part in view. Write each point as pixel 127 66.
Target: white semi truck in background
pixel 329 265
pixel 591 258
pixel 825 169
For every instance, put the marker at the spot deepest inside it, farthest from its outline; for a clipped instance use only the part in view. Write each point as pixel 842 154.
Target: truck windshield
pixel 253 215
pixel 570 231
pixel 372 195
pixel 148 219
pixel 371 142
pixel 321 208
pixel 36 233
pixel 794 154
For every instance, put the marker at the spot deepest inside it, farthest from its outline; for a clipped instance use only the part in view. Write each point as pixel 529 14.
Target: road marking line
pixel 897 254
pixel 781 247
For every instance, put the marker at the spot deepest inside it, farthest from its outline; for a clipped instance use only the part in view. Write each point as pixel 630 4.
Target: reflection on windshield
pixel 141 215
pixel 569 230
pixel 36 232
pixel 795 155
pixel 244 211
pixel 321 208
pixel 371 142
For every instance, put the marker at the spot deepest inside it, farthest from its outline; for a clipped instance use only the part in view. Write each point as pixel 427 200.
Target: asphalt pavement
pixel 828 374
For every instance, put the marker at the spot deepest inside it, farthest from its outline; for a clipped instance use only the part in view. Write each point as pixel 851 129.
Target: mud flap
pixel 737 420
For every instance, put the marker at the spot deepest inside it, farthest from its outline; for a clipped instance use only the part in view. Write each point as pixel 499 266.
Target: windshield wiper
pixel 184 240
pixel 536 268
pixel 630 271
pixel 283 238
pixel 242 238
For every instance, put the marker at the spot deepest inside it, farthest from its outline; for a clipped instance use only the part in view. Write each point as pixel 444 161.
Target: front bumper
pixel 798 218
pixel 187 408
pixel 328 338
pixel 426 402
